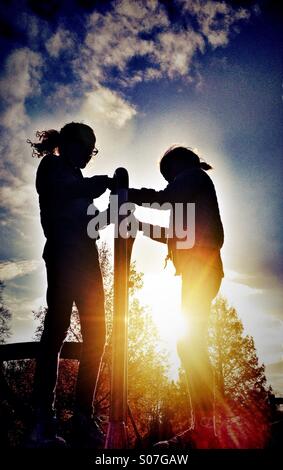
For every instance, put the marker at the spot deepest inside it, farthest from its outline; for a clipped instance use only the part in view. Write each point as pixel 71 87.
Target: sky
pixel 145 75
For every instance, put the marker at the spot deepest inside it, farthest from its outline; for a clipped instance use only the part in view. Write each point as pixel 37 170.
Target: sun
pixel 162 293
pixel 170 325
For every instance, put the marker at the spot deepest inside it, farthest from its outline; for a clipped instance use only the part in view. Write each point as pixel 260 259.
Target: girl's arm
pixel 86 187
pixel 183 189
pixel 56 180
pixel 146 195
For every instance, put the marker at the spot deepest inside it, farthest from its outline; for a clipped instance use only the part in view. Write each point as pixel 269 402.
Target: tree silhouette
pixel 5 332
pixel 240 379
pixel 5 317
pixel 147 368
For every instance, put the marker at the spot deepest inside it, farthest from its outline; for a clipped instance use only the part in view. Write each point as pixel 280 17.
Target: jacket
pixel 191 186
pixel 64 196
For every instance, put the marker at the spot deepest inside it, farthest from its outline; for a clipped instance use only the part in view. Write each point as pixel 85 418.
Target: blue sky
pixel 146 74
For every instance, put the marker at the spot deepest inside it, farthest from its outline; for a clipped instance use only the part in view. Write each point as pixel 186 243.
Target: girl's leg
pixel 198 290
pixel 90 302
pixel 56 323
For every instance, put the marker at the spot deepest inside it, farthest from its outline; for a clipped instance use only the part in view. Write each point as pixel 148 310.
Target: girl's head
pixel 75 142
pixel 178 159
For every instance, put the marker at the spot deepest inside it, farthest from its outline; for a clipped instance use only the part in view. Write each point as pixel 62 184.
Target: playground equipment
pixel 117 432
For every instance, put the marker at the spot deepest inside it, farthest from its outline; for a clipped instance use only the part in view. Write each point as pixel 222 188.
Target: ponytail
pixel 48 143
pixel 184 154
pixel 205 166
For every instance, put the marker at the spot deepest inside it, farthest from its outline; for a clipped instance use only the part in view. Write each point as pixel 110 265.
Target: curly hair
pixel 49 141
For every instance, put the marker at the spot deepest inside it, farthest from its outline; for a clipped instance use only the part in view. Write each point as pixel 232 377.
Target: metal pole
pixel 117 434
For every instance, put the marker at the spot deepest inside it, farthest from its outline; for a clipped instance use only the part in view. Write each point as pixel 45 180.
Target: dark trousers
pixel 72 276
pixel 200 284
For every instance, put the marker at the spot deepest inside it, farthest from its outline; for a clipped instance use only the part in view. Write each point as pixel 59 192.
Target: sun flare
pixel 162 294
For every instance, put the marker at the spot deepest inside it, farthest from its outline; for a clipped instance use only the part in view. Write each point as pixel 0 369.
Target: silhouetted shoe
pixel 86 432
pixel 44 433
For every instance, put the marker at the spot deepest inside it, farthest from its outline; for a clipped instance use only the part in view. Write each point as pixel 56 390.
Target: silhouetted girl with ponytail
pixel 200 268
pixel 73 271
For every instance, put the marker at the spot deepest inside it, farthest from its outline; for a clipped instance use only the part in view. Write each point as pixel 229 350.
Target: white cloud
pixel 21 75
pixel 142 30
pixel 59 42
pixel 216 19
pixel 115 38
pixel 20 80
pixel 64 94
pixel 104 104
pixel 20 199
pixel 175 51
pixel 15 116
pixel 147 12
pixel 12 269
